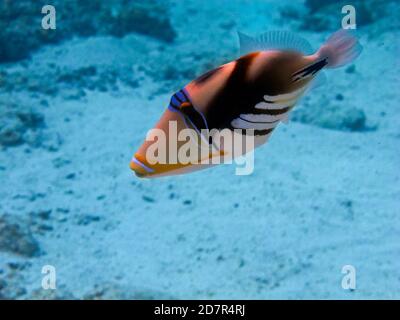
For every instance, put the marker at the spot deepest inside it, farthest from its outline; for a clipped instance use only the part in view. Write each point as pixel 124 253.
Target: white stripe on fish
pixel 285 96
pixel 263 117
pixel 275 105
pixel 243 124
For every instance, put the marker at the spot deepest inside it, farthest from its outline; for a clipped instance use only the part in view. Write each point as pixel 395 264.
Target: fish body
pixel 248 96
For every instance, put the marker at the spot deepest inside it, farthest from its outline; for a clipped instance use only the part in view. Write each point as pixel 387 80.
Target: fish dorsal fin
pixel 274 40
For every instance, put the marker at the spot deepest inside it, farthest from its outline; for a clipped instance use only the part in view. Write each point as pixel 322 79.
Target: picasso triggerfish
pixel 249 96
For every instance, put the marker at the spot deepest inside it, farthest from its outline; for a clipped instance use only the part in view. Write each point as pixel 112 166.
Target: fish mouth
pixel 143 169
pixel 140 166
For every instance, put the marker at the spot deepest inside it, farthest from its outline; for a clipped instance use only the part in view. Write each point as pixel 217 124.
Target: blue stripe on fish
pixel 181 96
pixel 175 101
pixel 142 165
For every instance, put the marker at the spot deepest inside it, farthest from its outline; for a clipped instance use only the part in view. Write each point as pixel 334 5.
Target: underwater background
pixel 76 102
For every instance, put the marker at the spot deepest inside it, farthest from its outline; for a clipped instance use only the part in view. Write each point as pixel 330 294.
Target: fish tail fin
pixel 340 49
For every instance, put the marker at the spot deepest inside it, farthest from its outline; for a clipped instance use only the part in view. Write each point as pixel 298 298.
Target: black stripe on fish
pixel 234 97
pixel 263 132
pixel 173 105
pixel 185 95
pixel 177 98
pixel 194 117
pixel 309 70
pixel 249 121
pixel 272 112
pixel 203 78
pixel 258 132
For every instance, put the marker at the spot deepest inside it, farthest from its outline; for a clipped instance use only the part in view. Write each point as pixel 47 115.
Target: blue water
pixel 317 218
